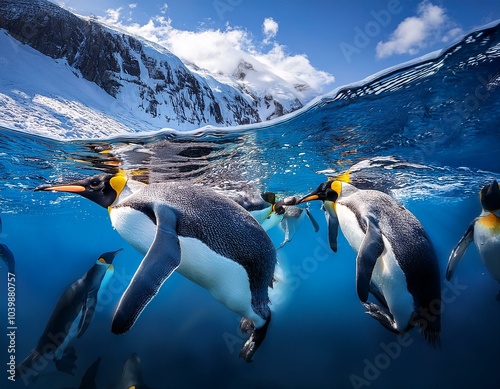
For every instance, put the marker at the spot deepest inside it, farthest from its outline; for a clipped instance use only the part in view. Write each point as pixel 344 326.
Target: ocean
pixel 426 132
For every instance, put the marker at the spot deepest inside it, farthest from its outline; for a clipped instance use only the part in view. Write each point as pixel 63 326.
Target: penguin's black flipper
pixel 88 310
pixel 458 252
pixel 378 295
pixel 371 248
pixel 162 258
pixel 333 224
pixel 7 256
pixel 312 219
pixel 88 379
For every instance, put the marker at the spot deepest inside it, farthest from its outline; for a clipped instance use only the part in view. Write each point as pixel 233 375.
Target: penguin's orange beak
pixel 62 188
pixel 310 197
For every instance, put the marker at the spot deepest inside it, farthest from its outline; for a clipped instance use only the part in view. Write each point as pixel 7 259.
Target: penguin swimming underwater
pixel 485 232
pixel 69 320
pixel 132 374
pixel 201 234
pixel 395 260
pixel 7 255
pixel 270 213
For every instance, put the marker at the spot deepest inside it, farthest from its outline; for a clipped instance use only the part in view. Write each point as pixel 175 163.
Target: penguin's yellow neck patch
pixel 336 186
pixel 118 182
pixel 490 221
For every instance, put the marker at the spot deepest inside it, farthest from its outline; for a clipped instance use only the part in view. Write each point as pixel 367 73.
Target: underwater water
pixel 427 133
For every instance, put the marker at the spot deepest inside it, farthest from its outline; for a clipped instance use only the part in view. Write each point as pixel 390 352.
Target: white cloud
pixel 431 25
pixel 270 29
pixel 133 5
pixel 221 51
pixel 113 16
pixel 293 67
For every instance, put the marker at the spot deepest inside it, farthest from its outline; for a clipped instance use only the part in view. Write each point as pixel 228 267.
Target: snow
pixel 34 102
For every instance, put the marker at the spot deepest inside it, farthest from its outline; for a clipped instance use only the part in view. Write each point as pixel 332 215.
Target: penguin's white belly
pixel 224 278
pixel 350 226
pixel 487 240
pixel 391 281
pixel 134 226
pixel 387 275
pixel 105 281
pixel 70 335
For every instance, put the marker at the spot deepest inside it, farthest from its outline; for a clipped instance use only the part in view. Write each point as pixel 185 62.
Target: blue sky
pixel 327 43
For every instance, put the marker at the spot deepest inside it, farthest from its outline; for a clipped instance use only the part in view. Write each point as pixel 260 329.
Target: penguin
pixel 89 377
pixel 69 320
pixel 271 213
pixel 485 232
pixel 131 377
pixel 395 260
pixel 7 255
pixel 196 231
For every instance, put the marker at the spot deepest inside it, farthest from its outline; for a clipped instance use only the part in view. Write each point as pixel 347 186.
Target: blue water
pixel 427 133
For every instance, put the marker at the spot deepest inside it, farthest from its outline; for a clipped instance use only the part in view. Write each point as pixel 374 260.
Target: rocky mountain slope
pixel 145 86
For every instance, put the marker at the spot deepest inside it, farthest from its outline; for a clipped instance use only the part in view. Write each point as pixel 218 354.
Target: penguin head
pixel 490 197
pixel 327 191
pixel 102 189
pixel 107 258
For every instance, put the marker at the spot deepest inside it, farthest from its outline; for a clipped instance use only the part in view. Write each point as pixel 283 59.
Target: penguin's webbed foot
pixel 246 326
pixel 381 316
pixel 257 336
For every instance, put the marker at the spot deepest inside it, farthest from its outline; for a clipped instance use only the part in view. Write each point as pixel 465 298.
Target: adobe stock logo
pixel 363 36
pixel 223 6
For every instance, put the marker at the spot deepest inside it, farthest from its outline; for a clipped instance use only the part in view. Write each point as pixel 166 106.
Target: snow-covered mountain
pixel 73 77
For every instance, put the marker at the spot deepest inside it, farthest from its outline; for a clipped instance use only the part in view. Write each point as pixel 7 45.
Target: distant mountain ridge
pixel 150 83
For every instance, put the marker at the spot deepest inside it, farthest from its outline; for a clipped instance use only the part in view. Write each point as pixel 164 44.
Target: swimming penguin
pixel 7 255
pixel 485 232
pixel 69 320
pixel 271 213
pixel 89 377
pixel 131 377
pixel 203 235
pixel 395 260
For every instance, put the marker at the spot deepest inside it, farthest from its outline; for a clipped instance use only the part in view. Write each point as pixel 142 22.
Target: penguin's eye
pixel 94 184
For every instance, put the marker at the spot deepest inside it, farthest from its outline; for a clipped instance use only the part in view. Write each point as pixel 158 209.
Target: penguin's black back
pixel 411 245
pixel 219 222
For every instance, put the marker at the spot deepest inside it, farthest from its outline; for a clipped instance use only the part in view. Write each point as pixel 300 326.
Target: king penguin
pixel 203 235
pixel 485 232
pixel 131 377
pixel 70 319
pixel 395 259
pixel 270 213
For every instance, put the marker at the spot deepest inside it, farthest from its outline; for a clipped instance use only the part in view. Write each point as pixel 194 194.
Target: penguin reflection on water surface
pixel 485 232
pixel 203 235
pixel 395 260
pixel 69 320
